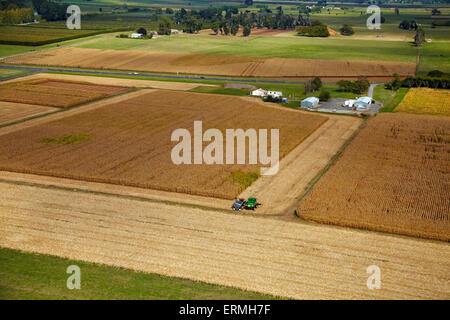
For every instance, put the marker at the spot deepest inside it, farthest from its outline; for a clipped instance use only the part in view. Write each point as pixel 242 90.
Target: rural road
pixel 154 75
pixel 289 259
pixel 371 87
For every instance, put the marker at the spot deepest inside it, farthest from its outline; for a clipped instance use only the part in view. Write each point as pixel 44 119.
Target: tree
pixel 164 25
pixel 324 95
pixel 435 12
pixel 142 31
pixel 247 30
pixel 248 3
pixel 169 10
pixel 52 11
pixel 226 29
pixel 316 84
pixel 234 29
pixel 419 38
pixel 308 87
pixel 215 27
pixel 346 30
pixel 395 84
pixel 397 12
pixel 37 5
pixel 436 73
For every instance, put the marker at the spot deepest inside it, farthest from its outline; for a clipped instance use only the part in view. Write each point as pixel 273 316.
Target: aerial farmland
pixel 215 151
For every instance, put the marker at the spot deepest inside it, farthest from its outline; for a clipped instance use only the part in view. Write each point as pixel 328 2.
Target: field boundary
pixel 59 110
pixel 330 163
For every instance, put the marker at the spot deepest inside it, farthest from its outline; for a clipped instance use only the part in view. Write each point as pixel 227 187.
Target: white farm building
pixel 275 94
pixel 136 36
pixel 259 93
pixel 309 102
pixel 363 103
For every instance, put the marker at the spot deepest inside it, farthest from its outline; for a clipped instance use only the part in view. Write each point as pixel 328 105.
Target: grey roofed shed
pixel 363 103
pixel 309 102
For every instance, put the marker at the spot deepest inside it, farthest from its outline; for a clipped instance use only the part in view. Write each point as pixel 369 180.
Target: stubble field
pixel 55 93
pixel 393 177
pixel 208 64
pixel 128 143
pixel 287 259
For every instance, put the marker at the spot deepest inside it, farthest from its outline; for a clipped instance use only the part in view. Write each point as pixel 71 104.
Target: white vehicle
pixel 349 103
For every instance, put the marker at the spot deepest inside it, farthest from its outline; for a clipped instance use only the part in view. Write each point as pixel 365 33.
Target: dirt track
pixel 281 258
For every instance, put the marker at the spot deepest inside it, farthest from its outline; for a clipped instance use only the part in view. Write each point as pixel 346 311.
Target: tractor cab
pixel 238 204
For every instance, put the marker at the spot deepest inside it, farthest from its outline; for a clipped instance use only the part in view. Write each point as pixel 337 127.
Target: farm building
pixel 363 103
pixel 136 36
pixel 309 102
pixel 259 92
pixel 275 94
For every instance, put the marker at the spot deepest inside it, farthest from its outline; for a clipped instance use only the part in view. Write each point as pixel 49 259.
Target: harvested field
pixel 10 112
pixel 112 82
pixel 264 255
pixel 426 101
pixel 213 64
pixel 393 177
pixel 130 143
pixel 60 94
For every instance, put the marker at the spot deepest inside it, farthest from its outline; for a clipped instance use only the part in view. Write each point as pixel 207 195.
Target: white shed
pixel 275 94
pixel 309 102
pixel 259 92
pixel 136 36
pixel 363 103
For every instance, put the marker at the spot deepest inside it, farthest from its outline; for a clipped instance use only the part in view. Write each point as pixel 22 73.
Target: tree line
pixel 16 16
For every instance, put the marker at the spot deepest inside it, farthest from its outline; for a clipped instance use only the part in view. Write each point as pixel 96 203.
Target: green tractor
pixel 251 204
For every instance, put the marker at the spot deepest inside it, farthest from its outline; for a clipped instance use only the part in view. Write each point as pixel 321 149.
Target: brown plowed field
pixel 131 145
pixel 213 64
pixel 61 94
pixel 10 111
pixel 114 82
pixel 270 256
pixel 393 177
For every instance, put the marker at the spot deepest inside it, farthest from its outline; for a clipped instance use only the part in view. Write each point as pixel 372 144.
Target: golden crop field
pixel 393 177
pixel 213 64
pixel 54 93
pixel 426 101
pixel 129 143
pixel 11 112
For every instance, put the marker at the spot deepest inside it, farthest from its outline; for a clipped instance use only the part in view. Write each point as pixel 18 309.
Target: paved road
pixel 115 73
pixel 372 86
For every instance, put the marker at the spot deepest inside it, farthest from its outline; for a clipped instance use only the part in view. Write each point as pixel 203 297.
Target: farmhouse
pixel 363 103
pixel 275 94
pixel 136 36
pixel 259 93
pixel 309 102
